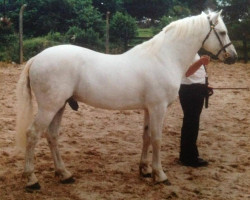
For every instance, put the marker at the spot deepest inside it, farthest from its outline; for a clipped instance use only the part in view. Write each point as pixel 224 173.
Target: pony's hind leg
pixel 52 137
pixel 145 168
pixel 37 128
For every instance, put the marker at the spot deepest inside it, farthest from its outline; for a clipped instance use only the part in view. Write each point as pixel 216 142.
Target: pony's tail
pixel 24 107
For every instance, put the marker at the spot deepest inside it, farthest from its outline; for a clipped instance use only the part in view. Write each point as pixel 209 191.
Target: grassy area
pixel 143 35
pixel 145 32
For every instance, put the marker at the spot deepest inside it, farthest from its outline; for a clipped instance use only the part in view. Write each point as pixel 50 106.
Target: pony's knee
pixel 156 142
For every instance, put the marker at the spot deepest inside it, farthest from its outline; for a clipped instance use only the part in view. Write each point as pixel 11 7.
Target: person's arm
pixel 204 60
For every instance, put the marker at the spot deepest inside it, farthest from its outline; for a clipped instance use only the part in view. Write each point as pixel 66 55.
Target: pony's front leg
pixel 145 168
pixel 156 118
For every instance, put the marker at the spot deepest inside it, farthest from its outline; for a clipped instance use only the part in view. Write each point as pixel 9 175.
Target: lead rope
pixel 209 91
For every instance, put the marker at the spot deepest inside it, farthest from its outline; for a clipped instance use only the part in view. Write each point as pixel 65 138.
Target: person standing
pixel 192 93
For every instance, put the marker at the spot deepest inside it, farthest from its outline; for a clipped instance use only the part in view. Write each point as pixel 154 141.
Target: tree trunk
pixel 244 40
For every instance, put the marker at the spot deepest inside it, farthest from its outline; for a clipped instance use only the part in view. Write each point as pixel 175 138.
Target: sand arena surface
pixel 102 148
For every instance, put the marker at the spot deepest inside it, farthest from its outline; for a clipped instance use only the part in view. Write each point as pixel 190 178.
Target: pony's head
pixel 217 40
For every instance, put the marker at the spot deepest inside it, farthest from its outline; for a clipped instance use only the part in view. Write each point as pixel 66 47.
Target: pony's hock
pixel 146 77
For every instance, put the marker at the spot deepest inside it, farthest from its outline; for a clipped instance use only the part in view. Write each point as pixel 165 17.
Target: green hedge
pixel 8 44
pixel 33 46
pixel 9 53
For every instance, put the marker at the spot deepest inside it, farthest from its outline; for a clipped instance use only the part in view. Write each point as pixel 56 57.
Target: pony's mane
pixel 186 27
pixel 179 29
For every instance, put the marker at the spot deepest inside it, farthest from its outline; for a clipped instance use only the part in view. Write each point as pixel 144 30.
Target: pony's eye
pixel 223 33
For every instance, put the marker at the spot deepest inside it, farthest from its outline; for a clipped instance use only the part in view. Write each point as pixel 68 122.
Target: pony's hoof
pixel 146 175
pixel 34 187
pixel 68 180
pixel 166 182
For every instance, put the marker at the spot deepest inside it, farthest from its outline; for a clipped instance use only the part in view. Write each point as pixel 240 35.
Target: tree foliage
pixel 237 17
pixel 84 20
pixel 112 6
pixel 147 8
pixel 8 46
pixel 122 27
pixel 44 16
pixel 83 37
pixel 196 6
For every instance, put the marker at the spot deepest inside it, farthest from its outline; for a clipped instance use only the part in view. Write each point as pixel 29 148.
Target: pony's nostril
pixel 227 55
pixel 230 57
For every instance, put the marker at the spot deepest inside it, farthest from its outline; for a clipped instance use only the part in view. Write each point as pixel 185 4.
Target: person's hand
pixel 210 90
pixel 205 59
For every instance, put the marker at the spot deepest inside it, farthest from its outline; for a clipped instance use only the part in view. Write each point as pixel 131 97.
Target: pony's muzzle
pixel 230 58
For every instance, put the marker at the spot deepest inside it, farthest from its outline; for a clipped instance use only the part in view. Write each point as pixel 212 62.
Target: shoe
pixel 199 162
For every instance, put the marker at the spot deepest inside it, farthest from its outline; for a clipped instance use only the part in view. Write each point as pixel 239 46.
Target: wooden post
pixel 4 9
pixel 107 32
pixel 244 41
pixel 21 34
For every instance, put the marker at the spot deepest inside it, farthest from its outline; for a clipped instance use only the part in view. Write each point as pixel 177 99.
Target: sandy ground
pixel 102 148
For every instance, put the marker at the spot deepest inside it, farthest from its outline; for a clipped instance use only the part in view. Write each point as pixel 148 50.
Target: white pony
pixel 146 77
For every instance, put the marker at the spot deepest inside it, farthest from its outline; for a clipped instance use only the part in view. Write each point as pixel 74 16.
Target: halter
pixel 223 47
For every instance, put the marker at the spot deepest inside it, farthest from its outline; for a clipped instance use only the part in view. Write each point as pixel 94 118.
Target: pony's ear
pixel 215 17
pixel 208 13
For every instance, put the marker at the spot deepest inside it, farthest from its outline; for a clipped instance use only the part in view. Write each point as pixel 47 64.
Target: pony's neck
pixel 178 43
pixel 185 51
pixel 184 38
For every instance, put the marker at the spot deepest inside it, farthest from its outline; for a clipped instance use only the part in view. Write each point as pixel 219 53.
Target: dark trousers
pixel 192 101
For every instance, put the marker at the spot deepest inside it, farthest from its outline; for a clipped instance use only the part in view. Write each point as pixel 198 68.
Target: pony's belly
pixel 111 101
pixel 111 105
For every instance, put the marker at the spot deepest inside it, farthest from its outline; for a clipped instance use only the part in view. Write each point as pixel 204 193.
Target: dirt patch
pixel 102 148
